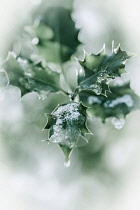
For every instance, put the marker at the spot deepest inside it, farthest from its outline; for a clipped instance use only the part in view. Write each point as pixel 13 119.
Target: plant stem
pixel 74 94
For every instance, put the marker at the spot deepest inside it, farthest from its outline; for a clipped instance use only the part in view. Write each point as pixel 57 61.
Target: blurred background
pixel 104 174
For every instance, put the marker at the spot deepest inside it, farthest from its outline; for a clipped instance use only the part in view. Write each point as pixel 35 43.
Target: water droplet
pixel 35 41
pixel 118 123
pixel 29 73
pixel 67 162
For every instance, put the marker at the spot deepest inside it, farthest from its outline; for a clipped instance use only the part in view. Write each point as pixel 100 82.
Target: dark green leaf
pixel 53 36
pixel 98 70
pixel 29 76
pixel 60 21
pixel 118 103
pixel 67 123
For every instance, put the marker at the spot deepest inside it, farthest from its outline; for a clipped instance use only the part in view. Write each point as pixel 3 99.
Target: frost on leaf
pixel 66 124
pixel 98 70
pixel 118 103
pixel 29 76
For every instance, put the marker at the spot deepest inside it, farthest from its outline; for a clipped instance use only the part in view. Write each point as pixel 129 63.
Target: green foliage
pixel 41 61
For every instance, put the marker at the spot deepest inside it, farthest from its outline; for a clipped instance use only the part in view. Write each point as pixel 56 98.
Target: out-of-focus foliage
pixel 58 37
pixel 52 36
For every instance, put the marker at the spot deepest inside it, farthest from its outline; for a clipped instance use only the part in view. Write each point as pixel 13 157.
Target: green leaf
pixel 98 70
pixel 66 124
pixel 53 36
pixel 118 103
pixel 29 76
pixel 70 74
pixel 60 21
pixel 3 78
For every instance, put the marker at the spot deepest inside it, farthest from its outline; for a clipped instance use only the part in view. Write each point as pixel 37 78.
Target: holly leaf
pixel 65 35
pixel 118 103
pixel 66 124
pixel 97 71
pixel 53 36
pixel 29 76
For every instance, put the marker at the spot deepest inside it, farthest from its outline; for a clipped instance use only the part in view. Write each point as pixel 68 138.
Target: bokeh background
pixel 104 174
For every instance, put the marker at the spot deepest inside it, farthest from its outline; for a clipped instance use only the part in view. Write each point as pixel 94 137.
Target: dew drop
pixel 118 123
pixel 35 41
pixel 67 162
pixel 29 73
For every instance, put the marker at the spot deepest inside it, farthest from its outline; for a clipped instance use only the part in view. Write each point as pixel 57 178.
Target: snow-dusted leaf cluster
pixel 43 60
